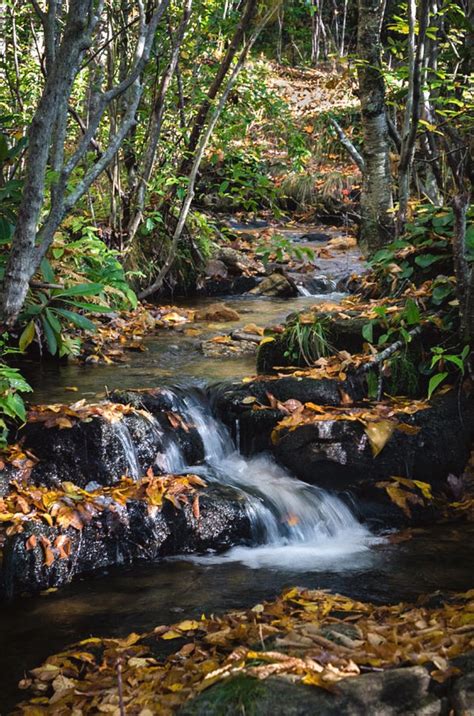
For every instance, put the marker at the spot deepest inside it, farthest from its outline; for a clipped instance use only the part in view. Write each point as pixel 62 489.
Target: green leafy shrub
pixel 283 250
pixel 12 385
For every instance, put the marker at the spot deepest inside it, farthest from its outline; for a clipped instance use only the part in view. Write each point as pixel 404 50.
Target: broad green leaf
pixel 368 332
pixel 47 271
pixel 80 321
pixel 412 312
pixel 49 335
pixel 426 260
pixel 53 321
pixel 435 381
pixel 81 289
pixel 95 307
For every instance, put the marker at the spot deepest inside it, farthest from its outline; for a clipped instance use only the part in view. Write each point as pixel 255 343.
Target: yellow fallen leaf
pixel 171 634
pixel 379 434
pixel 188 624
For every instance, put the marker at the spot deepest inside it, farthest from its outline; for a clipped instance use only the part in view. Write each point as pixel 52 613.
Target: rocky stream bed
pixel 263 504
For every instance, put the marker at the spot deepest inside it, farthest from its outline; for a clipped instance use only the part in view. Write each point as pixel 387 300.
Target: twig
pixel 387 352
pixel 120 687
pixel 347 144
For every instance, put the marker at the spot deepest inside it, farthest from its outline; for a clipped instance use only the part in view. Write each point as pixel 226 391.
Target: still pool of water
pixel 171 356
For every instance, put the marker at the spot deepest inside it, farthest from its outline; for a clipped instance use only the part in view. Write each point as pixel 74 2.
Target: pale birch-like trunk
pixel 376 197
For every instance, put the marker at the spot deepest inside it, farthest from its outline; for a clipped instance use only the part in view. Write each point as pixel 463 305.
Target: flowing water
pixel 302 534
pixel 294 524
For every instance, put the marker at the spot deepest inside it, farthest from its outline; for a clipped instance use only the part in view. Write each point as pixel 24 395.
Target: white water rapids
pixel 295 525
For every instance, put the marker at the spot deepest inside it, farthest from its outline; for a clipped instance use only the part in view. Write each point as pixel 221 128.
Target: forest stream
pixel 301 534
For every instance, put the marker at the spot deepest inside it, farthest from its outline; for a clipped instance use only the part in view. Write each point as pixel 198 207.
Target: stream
pixel 303 535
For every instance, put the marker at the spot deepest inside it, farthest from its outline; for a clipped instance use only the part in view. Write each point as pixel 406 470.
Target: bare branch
pixel 347 144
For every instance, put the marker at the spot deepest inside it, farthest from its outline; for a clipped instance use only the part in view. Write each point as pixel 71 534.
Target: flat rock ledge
pixel 336 454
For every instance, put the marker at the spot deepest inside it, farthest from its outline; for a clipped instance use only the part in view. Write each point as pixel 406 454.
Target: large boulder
pixel 336 454
pixel 236 404
pixel 397 692
pixel 102 451
pixel 276 285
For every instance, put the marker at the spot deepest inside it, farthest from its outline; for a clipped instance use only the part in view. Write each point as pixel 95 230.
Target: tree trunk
pixel 376 198
pixel 464 269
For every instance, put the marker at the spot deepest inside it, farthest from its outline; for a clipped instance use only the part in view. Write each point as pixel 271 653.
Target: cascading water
pixel 294 524
pixel 123 434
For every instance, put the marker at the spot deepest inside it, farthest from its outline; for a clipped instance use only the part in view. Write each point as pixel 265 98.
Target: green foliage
pixel 306 339
pixel 404 377
pixel 423 252
pixel 444 361
pixel 49 314
pixel 283 249
pixel 12 385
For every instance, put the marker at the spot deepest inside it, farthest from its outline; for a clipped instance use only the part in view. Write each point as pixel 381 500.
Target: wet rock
pixel 315 236
pixel 217 312
pixel 337 454
pixel 216 269
pixel 96 450
pixel 396 692
pixel 276 285
pixel 162 404
pixel 235 261
pixel 235 404
pixel 230 286
pixel 104 452
pixel 129 534
pixel 232 349
pixel 319 285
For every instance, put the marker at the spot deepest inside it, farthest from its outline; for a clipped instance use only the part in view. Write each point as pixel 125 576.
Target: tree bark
pixel 376 198
pixel 416 52
pixel 47 138
pixel 464 269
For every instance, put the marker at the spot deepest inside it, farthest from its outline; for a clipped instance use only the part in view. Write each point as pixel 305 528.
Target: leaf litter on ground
pixel 306 636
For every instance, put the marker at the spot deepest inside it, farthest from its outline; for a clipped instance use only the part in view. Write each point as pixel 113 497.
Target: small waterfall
pixel 303 291
pixel 123 434
pixel 292 521
pixel 171 460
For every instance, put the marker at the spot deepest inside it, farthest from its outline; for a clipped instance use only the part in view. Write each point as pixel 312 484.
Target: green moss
pixel 233 697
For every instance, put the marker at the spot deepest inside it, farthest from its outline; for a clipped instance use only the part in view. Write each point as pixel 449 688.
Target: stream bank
pixel 288 532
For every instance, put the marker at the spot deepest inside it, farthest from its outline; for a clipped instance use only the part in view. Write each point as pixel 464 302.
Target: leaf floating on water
pixel 172 634
pixel 188 625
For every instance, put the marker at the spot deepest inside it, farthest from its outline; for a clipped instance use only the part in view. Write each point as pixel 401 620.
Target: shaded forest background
pixel 130 129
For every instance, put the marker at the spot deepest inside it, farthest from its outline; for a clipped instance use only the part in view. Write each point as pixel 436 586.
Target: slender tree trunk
pixel 47 137
pixel 202 113
pixel 138 197
pixel 464 269
pixel 376 198
pixel 416 52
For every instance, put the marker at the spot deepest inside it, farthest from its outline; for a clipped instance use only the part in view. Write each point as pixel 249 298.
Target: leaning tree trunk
pixel 376 198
